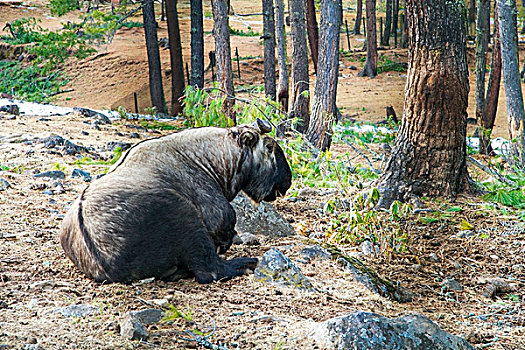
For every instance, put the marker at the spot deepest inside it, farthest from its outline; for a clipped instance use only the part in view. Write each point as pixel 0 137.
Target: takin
pixel 163 210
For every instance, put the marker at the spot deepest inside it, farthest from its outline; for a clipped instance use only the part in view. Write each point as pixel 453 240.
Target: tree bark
pixel 489 117
pixel 395 16
pixel 370 68
pixel 358 17
pixel 300 78
pixel 269 48
pixel 511 79
pixel 324 109
pixel 388 24
pixel 197 44
pixel 282 90
pixel 481 54
pixel 313 31
pixel 177 66
pixel 429 154
pixel 152 49
pixel 223 55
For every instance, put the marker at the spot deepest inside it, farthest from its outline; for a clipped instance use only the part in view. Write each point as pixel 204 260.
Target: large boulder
pixel 262 219
pixel 368 331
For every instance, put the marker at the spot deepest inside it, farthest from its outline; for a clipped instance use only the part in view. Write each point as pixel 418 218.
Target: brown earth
pixel 36 278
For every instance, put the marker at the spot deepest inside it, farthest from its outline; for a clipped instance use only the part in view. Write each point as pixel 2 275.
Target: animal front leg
pixel 202 260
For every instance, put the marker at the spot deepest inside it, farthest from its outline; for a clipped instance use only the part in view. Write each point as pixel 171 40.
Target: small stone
pixel 134 135
pixel 80 310
pixel 352 67
pixel 112 145
pixel 31 347
pixel 4 185
pixel 494 257
pixel 368 248
pixel 160 302
pixel 131 327
pixel 450 284
pixel 58 188
pixel 53 174
pixel 433 257
pixel 48 192
pixel 497 286
pixel 11 109
pixel 518 268
pixel 150 316
pixel 248 238
pixel 465 234
pixel 83 132
pixel 417 267
pixel 308 192
pixel 82 174
pixel 315 251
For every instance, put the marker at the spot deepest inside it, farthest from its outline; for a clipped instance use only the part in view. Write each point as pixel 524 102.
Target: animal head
pixel 266 172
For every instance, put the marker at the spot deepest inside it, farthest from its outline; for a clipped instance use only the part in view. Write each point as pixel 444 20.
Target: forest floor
pixel 36 278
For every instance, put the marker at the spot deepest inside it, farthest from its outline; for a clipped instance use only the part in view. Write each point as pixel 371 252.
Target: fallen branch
pixel 489 171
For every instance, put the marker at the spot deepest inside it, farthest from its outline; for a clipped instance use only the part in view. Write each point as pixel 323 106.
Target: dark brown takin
pixel 163 210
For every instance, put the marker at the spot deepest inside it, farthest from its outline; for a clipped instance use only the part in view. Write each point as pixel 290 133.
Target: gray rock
pixel 450 284
pixel 81 173
pixel 52 174
pixel 31 347
pixel 132 325
pixel 89 113
pixel 4 185
pixel 246 238
pixel 518 268
pixel 48 192
pixel 433 257
pixel 112 145
pixel 277 268
pixel 359 276
pixel 368 331
pixel 315 251
pixel 80 310
pixel 67 146
pixel 260 220
pixel 465 234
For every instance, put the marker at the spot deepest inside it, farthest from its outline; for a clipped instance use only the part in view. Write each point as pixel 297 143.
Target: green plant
pixel 173 313
pixel 386 64
pixel 61 7
pixel 240 32
pixel 511 196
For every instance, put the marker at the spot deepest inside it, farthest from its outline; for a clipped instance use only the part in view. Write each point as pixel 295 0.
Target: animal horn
pixel 264 126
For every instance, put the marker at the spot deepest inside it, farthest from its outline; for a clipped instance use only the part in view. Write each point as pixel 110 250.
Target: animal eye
pixel 269 147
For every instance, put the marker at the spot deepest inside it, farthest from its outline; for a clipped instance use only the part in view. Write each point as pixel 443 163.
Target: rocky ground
pixel 470 283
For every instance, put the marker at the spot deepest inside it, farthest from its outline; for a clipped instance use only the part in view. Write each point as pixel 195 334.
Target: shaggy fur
pixel 163 210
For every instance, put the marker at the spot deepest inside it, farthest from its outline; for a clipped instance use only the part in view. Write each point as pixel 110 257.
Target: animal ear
pixel 248 138
pixel 264 126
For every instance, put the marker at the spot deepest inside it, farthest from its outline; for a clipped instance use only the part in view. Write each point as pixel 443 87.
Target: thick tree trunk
pixel 429 155
pixel 280 34
pixel 300 78
pixel 489 117
pixel 269 49
pixel 152 49
pixel 511 79
pixel 370 68
pixel 223 55
pixel 324 109
pixel 481 54
pixel 177 66
pixel 313 31
pixel 197 44
pixel 358 17
pixel 388 24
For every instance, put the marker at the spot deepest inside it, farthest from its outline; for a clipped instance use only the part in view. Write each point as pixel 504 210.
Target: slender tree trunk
pixel 471 15
pixel 481 54
pixel 429 155
pixel 388 24
pixel 358 17
pixel 313 31
pixel 177 66
pixel 282 90
pixel 223 55
pixel 511 79
pixel 197 44
pixel 370 68
pixel 395 16
pixel 269 48
pixel 152 49
pixel 492 91
pixel 523 24
pixel 324 109
pixel 300 78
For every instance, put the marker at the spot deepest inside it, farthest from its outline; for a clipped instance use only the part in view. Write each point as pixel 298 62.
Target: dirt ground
pixel 36 278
